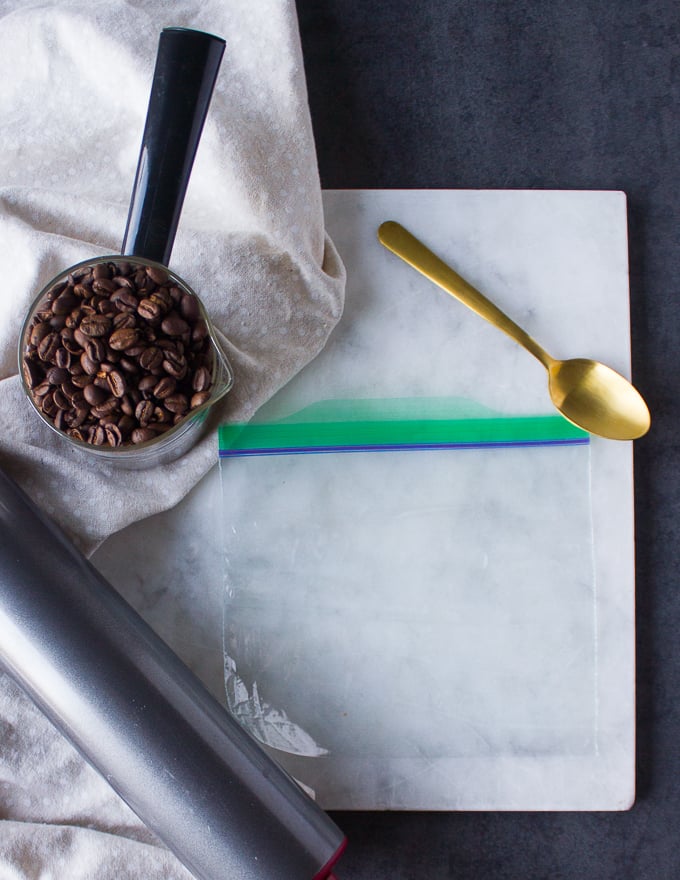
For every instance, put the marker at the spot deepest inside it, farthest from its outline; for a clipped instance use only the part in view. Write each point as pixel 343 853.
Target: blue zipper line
pixel 398 447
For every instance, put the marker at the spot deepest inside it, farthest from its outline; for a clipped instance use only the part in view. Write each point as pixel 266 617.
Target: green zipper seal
pixel 315 430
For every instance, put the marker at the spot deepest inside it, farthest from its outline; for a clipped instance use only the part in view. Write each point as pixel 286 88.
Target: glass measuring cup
pixel 135 292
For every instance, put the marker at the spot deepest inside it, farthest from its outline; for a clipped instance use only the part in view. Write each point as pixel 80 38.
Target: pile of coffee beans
pixel 117 354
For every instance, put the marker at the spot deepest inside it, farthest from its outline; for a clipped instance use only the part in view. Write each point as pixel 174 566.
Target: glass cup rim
pixel 220 366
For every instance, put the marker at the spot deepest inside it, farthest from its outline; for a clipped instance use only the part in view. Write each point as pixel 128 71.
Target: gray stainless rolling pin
pixel 142 719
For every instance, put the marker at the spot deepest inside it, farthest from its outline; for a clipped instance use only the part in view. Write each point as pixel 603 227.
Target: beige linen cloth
pixel 74 85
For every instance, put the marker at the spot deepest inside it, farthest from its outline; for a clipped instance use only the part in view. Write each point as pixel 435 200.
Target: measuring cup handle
pixel 186 69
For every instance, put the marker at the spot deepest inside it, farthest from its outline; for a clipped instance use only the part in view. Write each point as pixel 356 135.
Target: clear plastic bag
pixel 406 583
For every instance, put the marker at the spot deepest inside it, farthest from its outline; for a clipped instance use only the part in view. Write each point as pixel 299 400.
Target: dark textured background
pixel 581 94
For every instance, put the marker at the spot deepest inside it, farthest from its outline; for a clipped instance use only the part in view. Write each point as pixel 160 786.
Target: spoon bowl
pixel 589 394
pixel 598 399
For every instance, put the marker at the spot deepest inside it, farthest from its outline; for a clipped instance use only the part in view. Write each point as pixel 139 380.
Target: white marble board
pixel 557 262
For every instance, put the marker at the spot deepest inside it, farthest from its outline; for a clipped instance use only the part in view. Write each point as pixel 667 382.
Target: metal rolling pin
pixel 142 719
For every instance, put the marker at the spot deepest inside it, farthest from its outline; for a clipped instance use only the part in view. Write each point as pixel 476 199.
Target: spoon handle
pixel 400 241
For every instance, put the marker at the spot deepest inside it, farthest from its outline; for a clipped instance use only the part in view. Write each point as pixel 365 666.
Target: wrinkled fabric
pixel 75 79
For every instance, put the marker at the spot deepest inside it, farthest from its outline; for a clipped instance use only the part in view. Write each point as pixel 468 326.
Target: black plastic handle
pixel 186 69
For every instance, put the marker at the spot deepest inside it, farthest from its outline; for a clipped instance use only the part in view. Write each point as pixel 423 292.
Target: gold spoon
pixel 592 396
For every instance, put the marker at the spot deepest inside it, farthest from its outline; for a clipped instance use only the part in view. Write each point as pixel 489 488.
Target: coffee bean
pixel 96 350
pixel 95 325
pixel 90 366
pixel 80 380
pixel 41 390
pixel 101 270
pixel 157 275
pixel 129 365
pixel 94 395
pixel 123 339
pixel 200 332
pixel 127 405
pixel 126 424
pixel 151 358
pixel 113 435
pixel 77 399
pixel 48 406
pixel 48 346
pixel 71 345
pixel 62 358
pixel 199 399
pixel 97 436
pixel 135 350
pixel 175 365
pixel 124 321
pixel 65 303
pixel 175 345
pixel 176 403
pixel 39 332
pixel 117 354
pixel 106 408
pixel 202 379
pixel 147 384
pixel 74 319
pixel 103 285
pixel 189 308
pixel 57 322
pixel 33 373
pixel 163 299
pixel 173 325
pixel 117 383
pixel 61 400
pixel 123 298
pixel 164 388
pixel 54 291
pixel 142 435
pixel 144 412
pixel 79 339
pixel 149 310
pixel 56 375
pixel 76 417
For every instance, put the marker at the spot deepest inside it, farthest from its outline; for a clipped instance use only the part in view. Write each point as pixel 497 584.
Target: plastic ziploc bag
pixel 409 579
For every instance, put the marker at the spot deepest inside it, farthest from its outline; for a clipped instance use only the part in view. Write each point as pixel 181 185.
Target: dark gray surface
pixel 576 95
